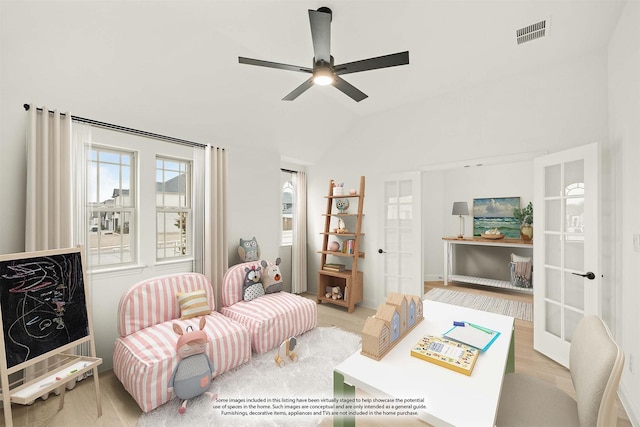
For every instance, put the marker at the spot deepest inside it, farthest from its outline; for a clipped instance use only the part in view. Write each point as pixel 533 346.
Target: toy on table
pixel 249 250
pixel 393 320
pixel 194 372
pixel 333 292
pixel 252 287
pixel 271 277
pixel 286 350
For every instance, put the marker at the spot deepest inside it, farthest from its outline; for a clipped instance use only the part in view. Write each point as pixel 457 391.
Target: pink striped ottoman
pixel 270 319
pixel 145 353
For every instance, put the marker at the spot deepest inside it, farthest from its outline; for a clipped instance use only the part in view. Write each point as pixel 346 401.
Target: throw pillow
pixel 193 304
pixel 252 287
pixel 271 277
pixel 518 258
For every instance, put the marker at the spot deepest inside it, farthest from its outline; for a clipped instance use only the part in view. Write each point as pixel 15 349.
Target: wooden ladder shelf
pixel 350 279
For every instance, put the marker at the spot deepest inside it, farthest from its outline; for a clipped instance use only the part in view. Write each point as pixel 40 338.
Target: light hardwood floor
pixel 119 409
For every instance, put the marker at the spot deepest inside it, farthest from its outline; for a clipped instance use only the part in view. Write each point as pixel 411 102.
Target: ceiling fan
pixel 324 72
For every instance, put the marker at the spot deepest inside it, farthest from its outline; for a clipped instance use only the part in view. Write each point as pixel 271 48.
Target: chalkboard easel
pixel 44 314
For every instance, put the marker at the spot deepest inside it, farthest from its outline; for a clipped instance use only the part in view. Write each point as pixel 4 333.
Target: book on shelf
pixel 334 267
pixel 348 246
pixel 451 354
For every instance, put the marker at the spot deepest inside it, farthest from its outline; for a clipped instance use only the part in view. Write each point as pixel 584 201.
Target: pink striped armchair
pixel 271 318
pixel 145 353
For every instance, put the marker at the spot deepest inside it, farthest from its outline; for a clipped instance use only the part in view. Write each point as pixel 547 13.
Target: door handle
pixel 380 251
pixel 589 275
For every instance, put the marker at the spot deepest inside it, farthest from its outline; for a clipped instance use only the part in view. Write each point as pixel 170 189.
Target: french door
pixel 566 247
pixel 400 251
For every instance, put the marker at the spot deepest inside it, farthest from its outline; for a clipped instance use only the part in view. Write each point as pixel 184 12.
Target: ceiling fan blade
pixel 270 64
pixel 393 60
pixel 349 89
pixel 320 21
pixel 299 90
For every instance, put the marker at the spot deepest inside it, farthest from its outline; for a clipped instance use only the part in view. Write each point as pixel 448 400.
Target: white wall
pixel 624 134
pixel 548 109
pixel 254 201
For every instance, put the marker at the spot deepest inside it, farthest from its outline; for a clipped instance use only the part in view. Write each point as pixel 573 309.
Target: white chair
pixel 595 365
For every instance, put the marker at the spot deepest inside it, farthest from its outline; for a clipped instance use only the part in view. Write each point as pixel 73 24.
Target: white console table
pixel 449 275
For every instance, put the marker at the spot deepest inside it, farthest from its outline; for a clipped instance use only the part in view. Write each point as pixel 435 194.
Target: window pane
pixel 172 183
pixel 552 184
pixel 287 200
pixel 173 202
pixel 109 238
pixel 553 215
pixel 110 178
pixel 109 182
pixel 108 157
pixel 172 235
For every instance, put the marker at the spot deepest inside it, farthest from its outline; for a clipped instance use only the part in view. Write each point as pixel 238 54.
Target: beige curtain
pixel 50 190
pixel 50 195
pixel 215 258
pixel 299 248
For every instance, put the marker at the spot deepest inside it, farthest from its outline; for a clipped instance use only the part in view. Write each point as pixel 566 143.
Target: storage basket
pixel 520 281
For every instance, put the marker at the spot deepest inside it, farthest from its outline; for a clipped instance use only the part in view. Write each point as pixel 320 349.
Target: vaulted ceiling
pixel 172 66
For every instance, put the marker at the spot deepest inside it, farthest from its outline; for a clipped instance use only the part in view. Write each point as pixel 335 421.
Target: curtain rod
pixel 127 130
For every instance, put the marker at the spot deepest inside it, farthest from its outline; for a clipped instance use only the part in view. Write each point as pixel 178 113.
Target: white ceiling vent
pixel 533 31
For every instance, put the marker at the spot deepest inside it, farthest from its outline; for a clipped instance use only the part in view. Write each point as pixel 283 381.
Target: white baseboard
pixel 433 277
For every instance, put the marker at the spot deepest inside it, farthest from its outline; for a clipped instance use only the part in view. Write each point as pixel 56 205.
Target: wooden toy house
pixel 400 303
pixel 384 330
pixel 414 310
pixel 376 335
pixel 388 314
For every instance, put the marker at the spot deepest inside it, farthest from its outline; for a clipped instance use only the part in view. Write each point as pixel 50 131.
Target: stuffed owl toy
pixel 342 205
pixel 249 250
pixel 271 277
pixel 252 287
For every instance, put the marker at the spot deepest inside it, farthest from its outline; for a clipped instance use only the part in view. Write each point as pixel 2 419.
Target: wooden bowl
pixel 492 236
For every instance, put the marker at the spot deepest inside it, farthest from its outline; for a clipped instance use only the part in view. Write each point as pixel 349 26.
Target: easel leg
pixel 8 418
pixel 62 393
pixel 96 383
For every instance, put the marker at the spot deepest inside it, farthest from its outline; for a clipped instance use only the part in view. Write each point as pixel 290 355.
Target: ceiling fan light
pixel 323 76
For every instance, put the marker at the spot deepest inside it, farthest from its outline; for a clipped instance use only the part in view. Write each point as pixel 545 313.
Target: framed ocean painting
pixel 496 212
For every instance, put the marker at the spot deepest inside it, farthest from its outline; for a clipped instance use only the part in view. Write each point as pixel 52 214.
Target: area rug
pixel 260 386
pixel 518 309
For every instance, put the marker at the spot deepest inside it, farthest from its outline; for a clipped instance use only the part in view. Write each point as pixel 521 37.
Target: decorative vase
pixel 526 232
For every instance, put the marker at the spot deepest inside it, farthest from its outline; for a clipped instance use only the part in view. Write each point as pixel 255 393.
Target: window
pixel 287 209
pixel 173 208
pixel 111 206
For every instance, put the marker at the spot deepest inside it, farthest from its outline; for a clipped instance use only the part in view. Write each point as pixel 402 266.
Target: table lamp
pixel 460 208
